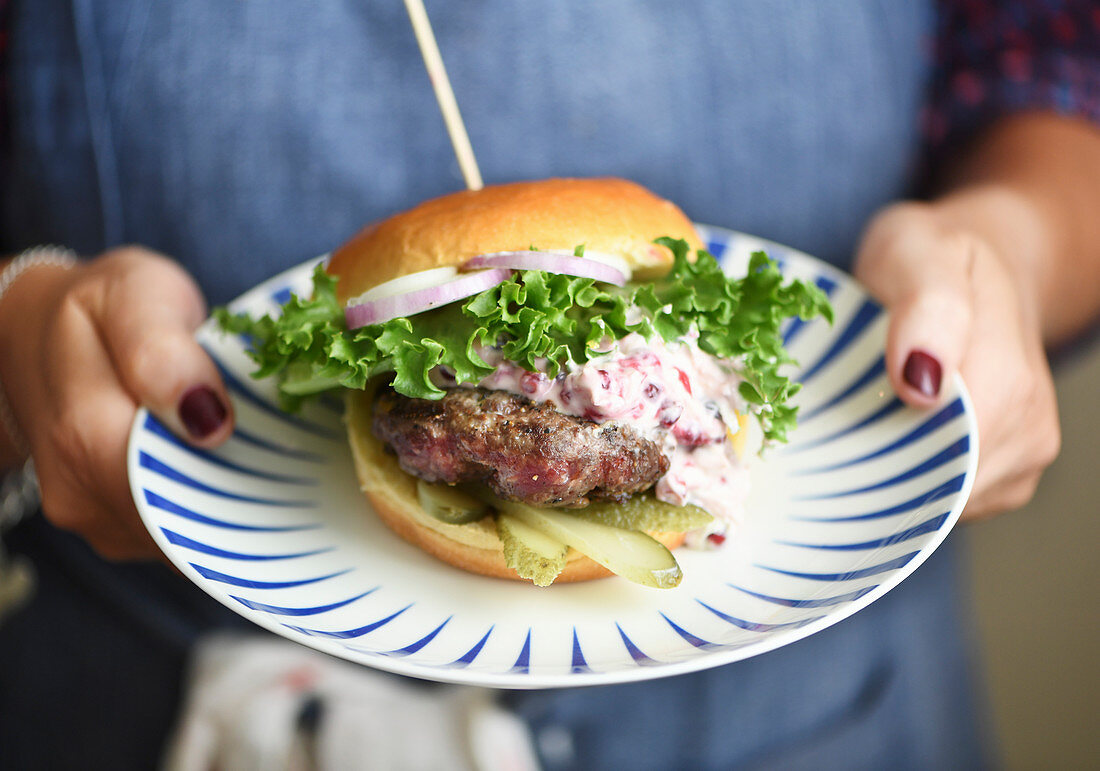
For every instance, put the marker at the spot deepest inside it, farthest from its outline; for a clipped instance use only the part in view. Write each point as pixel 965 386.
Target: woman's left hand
pixel 959 305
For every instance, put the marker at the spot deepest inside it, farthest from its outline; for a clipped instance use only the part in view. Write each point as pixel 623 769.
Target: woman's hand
pixel 960 304
pixel 80 350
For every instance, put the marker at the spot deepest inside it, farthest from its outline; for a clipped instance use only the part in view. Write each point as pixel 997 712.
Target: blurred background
pixel 1035 577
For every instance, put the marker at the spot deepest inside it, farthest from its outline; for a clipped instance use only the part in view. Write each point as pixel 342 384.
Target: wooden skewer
pixel 444 94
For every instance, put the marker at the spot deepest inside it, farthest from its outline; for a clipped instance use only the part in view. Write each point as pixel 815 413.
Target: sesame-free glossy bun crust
pixel 474 547
pixel 607 215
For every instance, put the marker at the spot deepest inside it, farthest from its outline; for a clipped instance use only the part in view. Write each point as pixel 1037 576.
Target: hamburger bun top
pixel 610 216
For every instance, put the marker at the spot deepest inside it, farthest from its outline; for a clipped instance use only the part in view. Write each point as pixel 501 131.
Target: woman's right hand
pixel 80 351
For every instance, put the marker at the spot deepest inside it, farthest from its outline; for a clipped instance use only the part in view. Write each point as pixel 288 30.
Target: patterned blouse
pixel 993 57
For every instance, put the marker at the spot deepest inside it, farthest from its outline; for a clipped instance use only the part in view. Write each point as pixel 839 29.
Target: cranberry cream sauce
pixel 673 394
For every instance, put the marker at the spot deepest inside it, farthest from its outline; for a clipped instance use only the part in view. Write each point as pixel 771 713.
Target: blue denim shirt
pixel 242 137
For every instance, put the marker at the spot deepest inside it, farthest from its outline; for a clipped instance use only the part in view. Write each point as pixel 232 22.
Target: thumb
pixel 922 273
pixel 147 319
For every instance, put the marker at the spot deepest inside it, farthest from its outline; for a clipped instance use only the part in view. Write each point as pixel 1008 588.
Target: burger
pixel 547 381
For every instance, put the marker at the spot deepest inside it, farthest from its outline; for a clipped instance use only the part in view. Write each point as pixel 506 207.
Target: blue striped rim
pixel 249 583
pixel 867 313
pixel 635 652
pixel 954 450
pixel 414 647
pixel 820 602
pixel 579 666
pixel 874 570
pixel 928 526
pixel 188 543
pixel 266 444
pixel 468 657
pixel 350 633
pixel 160 467
pixel 523 661
pixel 154 426
pixel 697 642
pixel 174 508
pixel 282 296
pixel 245 393
pixel 950 487
pixel 941 418
pixel 826 285
pixel 717 248
pixel 753 626
pixel 885 411
pixel 876 370
pixel 281 611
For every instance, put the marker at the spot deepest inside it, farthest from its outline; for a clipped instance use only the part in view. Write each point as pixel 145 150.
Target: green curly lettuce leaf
pixel 542 318
pixel 737 319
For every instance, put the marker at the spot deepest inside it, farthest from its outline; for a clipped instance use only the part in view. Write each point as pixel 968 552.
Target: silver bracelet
pixel 35 257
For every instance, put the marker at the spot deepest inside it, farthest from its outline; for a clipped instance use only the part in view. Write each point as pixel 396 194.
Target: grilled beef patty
pixel 523 451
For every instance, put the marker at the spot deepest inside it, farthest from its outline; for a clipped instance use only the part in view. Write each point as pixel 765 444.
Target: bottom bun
pixel 473 547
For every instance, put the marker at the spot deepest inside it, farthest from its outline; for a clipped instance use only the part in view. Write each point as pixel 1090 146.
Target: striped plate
pixel 272 525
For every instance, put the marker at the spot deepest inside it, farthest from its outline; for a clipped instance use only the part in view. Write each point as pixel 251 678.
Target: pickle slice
pixel 628 553
pixel 448 504
pixel 645 512
pixel 530 552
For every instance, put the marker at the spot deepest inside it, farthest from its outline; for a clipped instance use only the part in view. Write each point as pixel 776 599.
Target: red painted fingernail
pixel 202 412
pixel 923 372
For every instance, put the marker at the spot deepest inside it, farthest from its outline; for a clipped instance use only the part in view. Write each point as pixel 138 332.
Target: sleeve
pixel 993 57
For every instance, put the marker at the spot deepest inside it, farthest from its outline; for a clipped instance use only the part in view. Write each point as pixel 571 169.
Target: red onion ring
pixel 551 262
pixel 420 300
